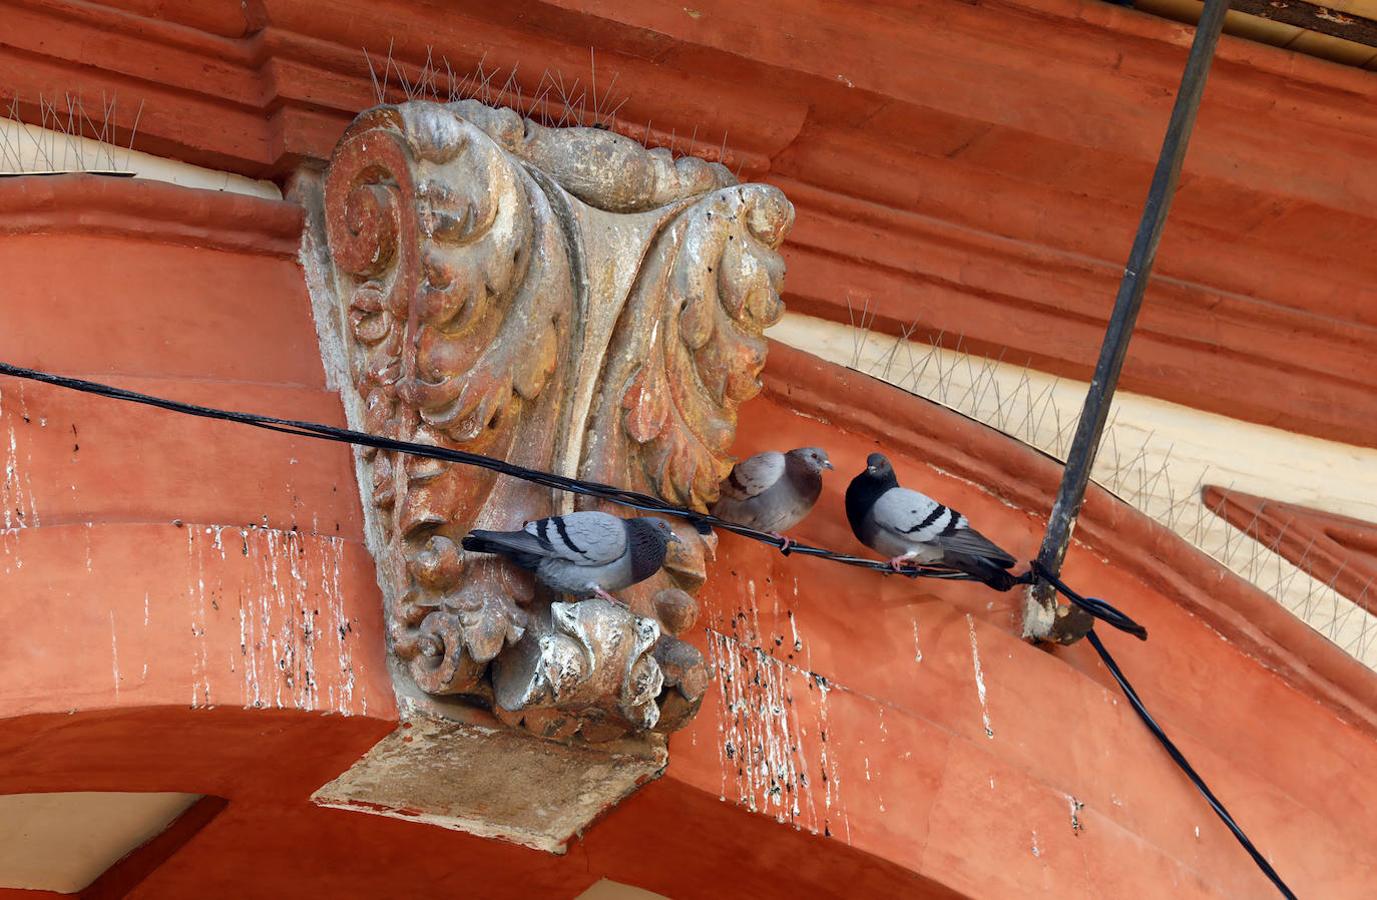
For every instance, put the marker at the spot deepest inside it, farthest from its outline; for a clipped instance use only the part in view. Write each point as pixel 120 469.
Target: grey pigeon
pixel 773 491
pixel 908 526
pixel 586 554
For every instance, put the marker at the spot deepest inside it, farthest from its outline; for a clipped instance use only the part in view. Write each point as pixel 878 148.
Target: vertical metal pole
pixel 1126 305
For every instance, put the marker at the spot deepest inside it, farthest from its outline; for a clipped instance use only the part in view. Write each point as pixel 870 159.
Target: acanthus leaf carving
pixel 567 300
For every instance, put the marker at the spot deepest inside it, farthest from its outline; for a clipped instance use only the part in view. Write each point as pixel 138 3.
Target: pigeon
pixel 773 491
pixel 586 554
pixel 908 526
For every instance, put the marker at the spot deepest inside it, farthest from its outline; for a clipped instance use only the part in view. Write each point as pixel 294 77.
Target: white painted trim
pixel 31 149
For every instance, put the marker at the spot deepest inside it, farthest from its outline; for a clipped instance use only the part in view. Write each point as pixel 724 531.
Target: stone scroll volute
pixel 569 301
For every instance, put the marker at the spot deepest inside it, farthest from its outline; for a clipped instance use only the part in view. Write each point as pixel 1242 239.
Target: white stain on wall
pixel 18 505
pixel 286 613
pixel 979 679
pixel 775 744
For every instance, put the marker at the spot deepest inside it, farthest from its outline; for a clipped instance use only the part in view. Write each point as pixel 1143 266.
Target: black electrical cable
pixel 646 503
pixel 1108 614
pixel 1093 605
pixel 1136 702
pixel 632 499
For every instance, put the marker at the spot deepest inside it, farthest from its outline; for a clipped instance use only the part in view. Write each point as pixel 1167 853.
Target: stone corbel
pixel 570 301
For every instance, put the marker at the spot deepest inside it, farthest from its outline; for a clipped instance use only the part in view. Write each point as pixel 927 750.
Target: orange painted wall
pixel 845 748
pixel 162 578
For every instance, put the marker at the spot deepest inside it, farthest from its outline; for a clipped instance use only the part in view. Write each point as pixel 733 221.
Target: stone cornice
pixel 1031 124
pixel 1263 359
pixel 153 210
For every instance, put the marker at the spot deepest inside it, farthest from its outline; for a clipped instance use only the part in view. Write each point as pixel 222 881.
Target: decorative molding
pixel 1338 550
pixel 151 211
pixel 1267 232
pixel 572 302
pixel 1289 351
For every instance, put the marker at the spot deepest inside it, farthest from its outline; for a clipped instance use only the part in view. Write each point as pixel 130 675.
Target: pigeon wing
pixel 966 541
pixel 587 538
pixel 910 515
pixel 753 476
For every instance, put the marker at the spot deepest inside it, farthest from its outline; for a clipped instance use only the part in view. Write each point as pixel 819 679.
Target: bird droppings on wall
pixel 18 507
pixel 979 679
pixel 290 615
pixel 1076 807
pixel 777 752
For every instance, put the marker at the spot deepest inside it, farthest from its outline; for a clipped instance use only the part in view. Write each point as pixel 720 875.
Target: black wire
pixel 632 499
pixel 1108 614
pixel 1136 702
pixel 646 503
pixel 1093 605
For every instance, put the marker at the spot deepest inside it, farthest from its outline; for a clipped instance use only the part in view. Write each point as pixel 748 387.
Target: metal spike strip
pixel 1131 468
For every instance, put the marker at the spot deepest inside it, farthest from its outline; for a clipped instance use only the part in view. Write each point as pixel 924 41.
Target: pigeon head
pixel 877 465
pixel 662 528
pixel 814 458
pixel 650 539
pixel 651 530
pixel 874 481
pixel 877 477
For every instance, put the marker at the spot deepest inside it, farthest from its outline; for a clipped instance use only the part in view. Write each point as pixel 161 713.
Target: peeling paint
pixel 917 651
pixel 979 679
pixel 811 417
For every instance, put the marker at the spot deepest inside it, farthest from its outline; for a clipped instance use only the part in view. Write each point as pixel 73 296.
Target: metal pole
pixel 1126 305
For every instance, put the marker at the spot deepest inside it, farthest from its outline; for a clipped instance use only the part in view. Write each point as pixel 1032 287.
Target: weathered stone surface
pixel 569 301
pixel 492 782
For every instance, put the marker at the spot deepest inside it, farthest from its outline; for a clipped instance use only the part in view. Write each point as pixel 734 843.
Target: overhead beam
pixel 1311 17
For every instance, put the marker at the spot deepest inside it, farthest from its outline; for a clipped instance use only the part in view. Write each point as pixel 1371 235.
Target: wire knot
pixel 1096 607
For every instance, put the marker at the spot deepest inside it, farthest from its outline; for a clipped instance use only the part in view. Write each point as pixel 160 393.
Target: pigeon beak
pixel 674 538
pixel 827 464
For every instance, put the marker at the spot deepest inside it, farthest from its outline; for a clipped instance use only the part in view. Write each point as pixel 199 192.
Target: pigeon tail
pixel 983 569
pixel 503 543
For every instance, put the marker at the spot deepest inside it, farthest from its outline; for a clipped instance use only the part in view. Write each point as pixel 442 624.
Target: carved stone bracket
pixel 570 301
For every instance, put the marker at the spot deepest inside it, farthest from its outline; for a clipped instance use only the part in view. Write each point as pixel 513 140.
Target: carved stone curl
pixel 567 300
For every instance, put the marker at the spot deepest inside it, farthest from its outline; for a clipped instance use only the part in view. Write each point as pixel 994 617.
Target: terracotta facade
pixel 975 170
pixel 190 605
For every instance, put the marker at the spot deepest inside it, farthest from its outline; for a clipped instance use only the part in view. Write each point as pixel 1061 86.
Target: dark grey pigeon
pixel 907 526
pixel 773 491
pixel 586 554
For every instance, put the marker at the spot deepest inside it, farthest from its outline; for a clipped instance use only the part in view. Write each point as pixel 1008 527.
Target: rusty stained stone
pixel 569 301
